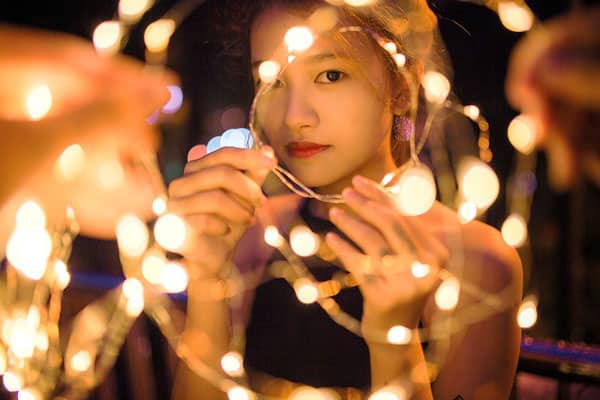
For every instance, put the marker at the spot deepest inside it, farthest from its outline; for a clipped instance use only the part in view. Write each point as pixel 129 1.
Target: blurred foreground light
pixel 527 315
pixel 391 392
pixel 170 232
pixel 132 235
pixel 174 277
pixel 39 102
pixel 233 364
pixel 478 182
pixel 522 133
pixel 447 294
pixel 472 111
pixel 514 230
pixel 437 87
pixel 239 393
pixel 175 100
pixel 132 10
pixel 70 163
pixel 311 393
pixel 159 205
pixel 415 191
pixel 107 37
pixel 31 215
pixel 399 335
pixel 306 291
pixel 298 38
pixel 133 290
pixel 21 340
pixel 28 250
pixel 515 17
pixel 152 266
pixel 268 71
pixel 41 340
pixel 303 241
pixel 62 277
pixel 158 34
pixel 29 394
pixel 390 47
pixel 420 270
pixel 81 361
pixel 359 3
pixel 467 211
pixel 272 236
pixel 12 381
pixel 3 360
pixel 400 59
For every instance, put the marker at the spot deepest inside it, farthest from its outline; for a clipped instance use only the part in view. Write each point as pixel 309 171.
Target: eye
pixel 330 76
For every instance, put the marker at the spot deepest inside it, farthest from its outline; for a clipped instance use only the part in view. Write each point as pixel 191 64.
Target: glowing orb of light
pixel 400 59
pixel 29 394
pixel 390 47
pixel 399 335
pixel 478 182
pixel 392 392
pixel 70 163
pixel 359 3
pixel 31 215
pixel 28 250
pixel 158 34
pixel 268 71
pixel 522 133
pixel 41 340
pixel 39 102
pixel 133 288
pixel 62 276
pixel 170 232
pixel 2 360
pixel 527 315
pixel 174 278
pixel 110 174
pixel 272 236
pixel 419 270
pixel 472 111
pixel 298 38
pixel 515 17
pixel 81 361
pixel 152 266
pixel 303 241
pixel 233 364
pixel 159 205
pixel 387 178
pixel 107 36
pixel 437 87
pixel 131 10
pixel 21 338
pixel 446 296
pixel 467 211
pixel 514 230
pixel 12 381
pixel 239 393
pixel 415 191
pixel 306 291
pixel 132 235
pixel 311 393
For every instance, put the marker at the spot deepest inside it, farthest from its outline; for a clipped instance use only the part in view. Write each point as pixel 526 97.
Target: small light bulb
pixel 419 270
pixel 447 294
pixel 133 288
pixel 306 291
pixel 478 182
pixel 399 335
pixel 174 278
pixel 132 235
pixel 437 87
pixel 22 338
pixel 81 361
pixel 390 47
pixel 303 241
pixel 522 133
pixel 107 37
pixel 359 3
pixel 514 230
pixel 415 191
pixel 467 211
pixel 131 10
pixel 170 232
pixel 31 215
pixel 159 206
pixel 527 315
pixel 41 340
pixel 12 381
pixel 39 102
pixel 298 38
pixel 28 250
pixel 70 163
pixel 29 394
pixel 472 111
pixel 233 364
pixel 158 34
pixel 515 17
pixel 152 266
pixel 268 71
pixel 272 236
pixel 238 393
pixel 400 59
pixel 61 274
pixel 392 392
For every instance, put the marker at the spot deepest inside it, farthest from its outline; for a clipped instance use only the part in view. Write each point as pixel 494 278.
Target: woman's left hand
pixel 398 261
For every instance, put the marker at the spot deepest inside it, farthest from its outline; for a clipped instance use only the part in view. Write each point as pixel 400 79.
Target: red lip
pixel 305 149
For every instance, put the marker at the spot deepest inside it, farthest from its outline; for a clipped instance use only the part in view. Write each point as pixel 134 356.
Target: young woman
pixel 329 119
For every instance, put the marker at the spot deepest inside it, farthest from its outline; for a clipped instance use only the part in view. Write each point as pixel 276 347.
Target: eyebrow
pixel 314 58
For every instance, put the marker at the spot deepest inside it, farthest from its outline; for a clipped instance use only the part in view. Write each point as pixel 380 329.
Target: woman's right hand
pixel 217 196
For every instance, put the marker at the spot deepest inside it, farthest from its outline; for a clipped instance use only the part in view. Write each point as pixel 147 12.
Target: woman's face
pixel 330 115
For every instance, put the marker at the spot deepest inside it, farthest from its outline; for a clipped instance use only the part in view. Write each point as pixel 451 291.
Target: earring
pixel 402 128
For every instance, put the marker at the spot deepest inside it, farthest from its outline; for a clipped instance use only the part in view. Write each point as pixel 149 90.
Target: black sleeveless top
pixel 288 339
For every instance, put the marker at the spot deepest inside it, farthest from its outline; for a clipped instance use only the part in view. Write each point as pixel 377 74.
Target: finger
pixel 196 152
pixel 361 233
pixel 242 159
pixel 352 260
pixel 216 202
pixel 218 177
pixel 371 189
pixel 207 224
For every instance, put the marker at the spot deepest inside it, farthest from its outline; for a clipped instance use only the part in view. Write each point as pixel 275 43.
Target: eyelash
pixel 342 75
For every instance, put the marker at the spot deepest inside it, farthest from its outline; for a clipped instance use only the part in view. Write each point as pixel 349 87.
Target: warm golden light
pixel 152 266
pixel 3 361
pixel 303 241
pixel 29 394
pixel 272 236
pixel 478 182
pixel 446 296
pixel 12 381
pixel 311 393
pixel 437 87
pixel 238 393
pixel 400 59
pixel 268 71
pixel 306 291
pixel 174 277
pixel 415 191
pixel 21 339
pixel 298 38
pixel 131 10
pixel 387 178
pixel 390 47
pixel 158 34
pixel 62 276
pixel 420 270
pixel 514 230
pixel 132 235
pixel 107 37
pixel 28 250
pixel 39 102
pixel 515 17
pixel 159 205
pixel 472 111
pixel 527 315
pixel 399 335
pixel 170 232
pixel 233 364
pixel 41 340
pixel 110 174
pixel 522 133
pixel 392 392
pixel 467 212
pixel 133 288
pixel 81 361
pixel 31 215
pixel 70 163
pixel 359 3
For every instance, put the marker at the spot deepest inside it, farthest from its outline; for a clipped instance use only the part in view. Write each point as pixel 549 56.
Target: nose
pixel 300 113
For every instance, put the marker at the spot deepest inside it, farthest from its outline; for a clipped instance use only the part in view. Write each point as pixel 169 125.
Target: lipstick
pixel 305 149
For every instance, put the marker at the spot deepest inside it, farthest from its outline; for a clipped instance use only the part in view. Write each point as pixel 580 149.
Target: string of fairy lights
pixel 31 360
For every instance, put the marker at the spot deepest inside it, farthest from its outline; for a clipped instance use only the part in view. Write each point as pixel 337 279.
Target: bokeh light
pixel 447 294
pixel 30 215
pixel 311 393
pixel 303 241
pixel 175 100
pixel 170 232
pixel 81 361
pixel 70 163
pixel 174 277
pixel 268 71
pixel 158 34
pixel 131 10
pixel 239 393
pixel 12 381
pixel 298 38
pixel 467 211
pixel 391 392
pixel 514 230
pixel 107 37
pixel 152 266
pixel 306 291
pixel 415 191
pixel 522 133
pixel 515 17
pixel 233 364
pixel 28 250
pixel 272 236
pixel 399 335
pixel 39 102
pixel 419 270
pixel 527 315
pixel 132 235
pixel 62 276
pixel 29 394
pixel 159 205
pixel 437 87
pixel 478 182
